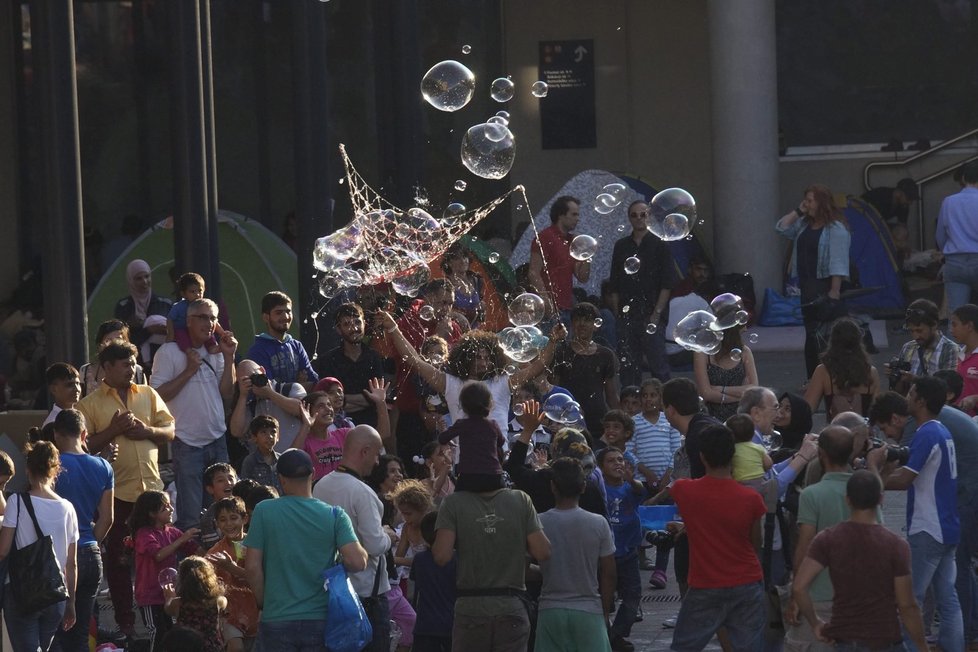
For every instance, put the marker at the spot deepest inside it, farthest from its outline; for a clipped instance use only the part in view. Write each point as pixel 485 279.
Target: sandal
pixel 658 580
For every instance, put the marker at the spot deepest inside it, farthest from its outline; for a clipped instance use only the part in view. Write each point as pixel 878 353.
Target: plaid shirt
pixel 943 355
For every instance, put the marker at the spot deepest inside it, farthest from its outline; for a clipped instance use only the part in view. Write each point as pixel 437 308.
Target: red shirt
pixel 558 273
pixel 719 516
pixel 415 330
pixel 968 368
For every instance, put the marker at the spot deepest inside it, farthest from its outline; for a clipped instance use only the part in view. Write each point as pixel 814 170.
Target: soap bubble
pixel 652 328
pixel 572 414
pixel 518 409
pixel 452 213
pixel 632 264
pixel 409 282
pixel 494 258
pixel 695 332
pixel 742 317
pixel 402 231
pixel 526 310
pixel 753 338
pixel 427 312
pixel 616 190
pixel 509 369
pixel 736 355
pixel 466 49
pixel 518 344
pixel 167 576
pixel 448 86
pixel 539 89
pixel 727 308
pixel 672 213
pixel 605 203
pixel 625 309
pixel 485 157
pixel 583 247
pixel 495 131
pixel 460 185
pixel 556 405
pixel 503 115
pixel 502 89
pixel 772 442
pixel 621 228
pixel 598 322
pixel 496 120
pixel 324 257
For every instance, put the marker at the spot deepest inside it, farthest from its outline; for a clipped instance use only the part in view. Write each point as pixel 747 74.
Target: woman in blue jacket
pixel 819 256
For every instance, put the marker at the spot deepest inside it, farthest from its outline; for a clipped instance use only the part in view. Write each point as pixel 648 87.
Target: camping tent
pixel 498 280
pixel 606 229
pixel 253 261
pixel 873 254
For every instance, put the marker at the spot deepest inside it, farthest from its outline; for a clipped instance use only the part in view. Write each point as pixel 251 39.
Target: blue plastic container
pixel 655 517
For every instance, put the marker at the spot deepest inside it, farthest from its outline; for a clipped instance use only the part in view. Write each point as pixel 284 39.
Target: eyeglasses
pixel 210 318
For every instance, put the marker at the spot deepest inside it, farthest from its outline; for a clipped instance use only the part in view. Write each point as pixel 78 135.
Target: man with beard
pixel 353 364
pixel 283 357
pixel 929 351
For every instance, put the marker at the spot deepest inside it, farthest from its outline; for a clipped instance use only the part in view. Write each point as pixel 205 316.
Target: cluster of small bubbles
pixel 625 309
pixel 539 89
pixel 736 355
pixel 672 212
pixel 509 369
pixel 448 86
pixel 488 150
pixel 652 328
pixel 526 310
pixel 522 343
pixel 632 264
pixel 452 213
pixel 466 49
pixel 598 322
pixel 502 89
pixel 494 258
pixel 753 338
pixel 518 409
pixel 729 311
pixel 427 312
pixel 583 247
pixel 460 185
pixel 695 332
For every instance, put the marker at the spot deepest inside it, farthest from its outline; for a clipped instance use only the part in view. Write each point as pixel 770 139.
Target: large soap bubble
pixel 672 213
pixel 526 310
pixel 583 247
pixel 488 150
pixel 616 190
pixel 502 89
pixel 520 343
pixel 695 332
pixel 409 282
pixel 448 86
pixel 729 311
pixel 558 407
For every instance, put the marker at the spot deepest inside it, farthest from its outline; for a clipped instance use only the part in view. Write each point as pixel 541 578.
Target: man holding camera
pixel 929 350
pixel 933 527
pixel 257 394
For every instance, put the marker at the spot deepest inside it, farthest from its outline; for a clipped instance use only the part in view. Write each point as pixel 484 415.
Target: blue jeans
pixel 960 279
pixel 965 584
pixel 629 591
pixel 741 609
pixel 86 587
pixel 932 564
pixel 189 463
pixel 29 633
pixel 292 636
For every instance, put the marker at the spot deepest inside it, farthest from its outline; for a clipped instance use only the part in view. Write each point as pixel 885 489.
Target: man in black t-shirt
pixel 354 364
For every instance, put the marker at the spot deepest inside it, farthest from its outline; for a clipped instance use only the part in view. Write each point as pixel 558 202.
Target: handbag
pixel 35 574
pixel 347 626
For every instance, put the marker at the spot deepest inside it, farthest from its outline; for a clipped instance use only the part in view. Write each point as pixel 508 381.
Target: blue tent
pixel 872 253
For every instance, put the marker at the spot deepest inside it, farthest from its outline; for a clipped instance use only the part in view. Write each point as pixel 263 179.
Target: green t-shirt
pixel 490 536
pixel 823 505
pixel 299 538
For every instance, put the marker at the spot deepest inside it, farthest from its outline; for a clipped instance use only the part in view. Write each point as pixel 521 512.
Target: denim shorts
pixel 741 609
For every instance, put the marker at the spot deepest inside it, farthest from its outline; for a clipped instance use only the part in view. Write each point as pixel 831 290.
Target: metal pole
pixel 210 151
pixel 53 46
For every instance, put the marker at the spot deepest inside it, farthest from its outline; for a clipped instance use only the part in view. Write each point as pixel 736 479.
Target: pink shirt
pixel 325 453
pixel 968 368
pixel 149 541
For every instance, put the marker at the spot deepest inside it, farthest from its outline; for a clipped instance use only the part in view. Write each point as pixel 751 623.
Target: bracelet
pixel 723 393
pixel 799 213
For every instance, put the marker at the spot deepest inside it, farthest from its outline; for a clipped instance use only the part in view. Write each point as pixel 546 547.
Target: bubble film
pixel 448 86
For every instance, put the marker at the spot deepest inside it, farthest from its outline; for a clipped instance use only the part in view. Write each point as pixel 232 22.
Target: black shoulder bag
pixel 35 574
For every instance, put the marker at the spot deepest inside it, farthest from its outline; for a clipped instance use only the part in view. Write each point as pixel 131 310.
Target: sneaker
pixel 669 623
pixel 647 564
pixel 658 580
pixel 622 644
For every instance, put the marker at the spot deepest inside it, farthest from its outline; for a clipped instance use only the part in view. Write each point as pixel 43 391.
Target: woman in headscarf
pixel 143 311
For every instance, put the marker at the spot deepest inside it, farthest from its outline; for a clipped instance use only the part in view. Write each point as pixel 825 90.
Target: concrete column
pixel 744 106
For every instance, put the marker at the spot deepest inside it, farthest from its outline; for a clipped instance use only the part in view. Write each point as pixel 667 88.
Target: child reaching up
pixel 156 543
pixel 196 601
pixel 241 625
pixel 750 460
pixel 191 288
pixel 480 462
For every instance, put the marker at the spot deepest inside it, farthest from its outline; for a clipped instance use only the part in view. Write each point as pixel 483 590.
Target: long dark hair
pixel 147 504
pixel 846 359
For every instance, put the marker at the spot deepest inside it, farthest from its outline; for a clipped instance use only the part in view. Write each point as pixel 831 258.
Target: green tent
pixel 253 261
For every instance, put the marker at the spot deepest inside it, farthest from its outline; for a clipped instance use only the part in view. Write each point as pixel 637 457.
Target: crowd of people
pixel 470 515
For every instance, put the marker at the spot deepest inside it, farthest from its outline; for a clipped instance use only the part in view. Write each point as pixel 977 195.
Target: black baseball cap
pixel 295 464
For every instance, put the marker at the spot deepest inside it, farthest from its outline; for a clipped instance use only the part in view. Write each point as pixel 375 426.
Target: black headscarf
pixel 801 422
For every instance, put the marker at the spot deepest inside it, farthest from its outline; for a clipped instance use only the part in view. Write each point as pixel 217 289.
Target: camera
pixel 898 454
pixel 660 538
pixel 259 380
pixel 897 367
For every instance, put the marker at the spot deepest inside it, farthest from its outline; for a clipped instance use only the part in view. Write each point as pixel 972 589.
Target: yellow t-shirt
pixel 748 461
pixel 137 466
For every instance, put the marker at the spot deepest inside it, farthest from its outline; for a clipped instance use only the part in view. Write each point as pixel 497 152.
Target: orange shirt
pixel 242 611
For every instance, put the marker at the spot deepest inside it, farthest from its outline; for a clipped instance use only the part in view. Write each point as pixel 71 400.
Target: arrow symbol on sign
pixel 579 53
